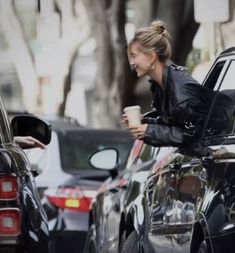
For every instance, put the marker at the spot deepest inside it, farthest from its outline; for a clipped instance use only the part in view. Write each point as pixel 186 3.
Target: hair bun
pixel 158 27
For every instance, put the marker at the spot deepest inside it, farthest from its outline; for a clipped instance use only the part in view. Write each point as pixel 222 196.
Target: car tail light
pixel 9 222
pixel 8 187
pixel 71 198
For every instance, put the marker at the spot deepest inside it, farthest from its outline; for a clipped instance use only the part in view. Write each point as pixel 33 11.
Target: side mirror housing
pixel 29 125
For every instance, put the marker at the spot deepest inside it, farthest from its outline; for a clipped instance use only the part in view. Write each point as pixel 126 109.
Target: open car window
pixel 214 76
pixel 224 76
pixel 228 79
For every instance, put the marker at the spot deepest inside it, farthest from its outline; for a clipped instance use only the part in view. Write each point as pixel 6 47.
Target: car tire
pixel 203 248
pixel 131 244
pixel 91 245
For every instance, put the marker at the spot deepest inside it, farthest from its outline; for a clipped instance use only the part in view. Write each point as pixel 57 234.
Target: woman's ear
pixel 153 56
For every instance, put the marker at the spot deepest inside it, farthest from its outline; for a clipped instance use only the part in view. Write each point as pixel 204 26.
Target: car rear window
pixel 77 146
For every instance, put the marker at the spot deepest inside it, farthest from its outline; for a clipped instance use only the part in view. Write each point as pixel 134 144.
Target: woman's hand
pixel 28 142
pixel 138 132
pixel 125 121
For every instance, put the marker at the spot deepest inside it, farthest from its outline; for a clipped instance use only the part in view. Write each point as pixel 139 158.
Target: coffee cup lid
pixel 129 108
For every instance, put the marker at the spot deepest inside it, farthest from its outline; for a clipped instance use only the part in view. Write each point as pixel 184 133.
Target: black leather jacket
pixel 182 108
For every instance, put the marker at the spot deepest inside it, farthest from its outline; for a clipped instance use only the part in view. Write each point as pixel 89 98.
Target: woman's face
pixel 139 60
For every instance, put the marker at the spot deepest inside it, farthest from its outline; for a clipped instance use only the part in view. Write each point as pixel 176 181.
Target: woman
pixel 182 104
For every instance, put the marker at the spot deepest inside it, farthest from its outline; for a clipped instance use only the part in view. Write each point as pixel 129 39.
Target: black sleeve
pixel 158 120
pixel 163 135
pixel 160 135
pixel 191 117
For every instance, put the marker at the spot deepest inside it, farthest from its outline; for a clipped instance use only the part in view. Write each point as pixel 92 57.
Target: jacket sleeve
pixel 152 120
pixel 191 120
pixel 162 135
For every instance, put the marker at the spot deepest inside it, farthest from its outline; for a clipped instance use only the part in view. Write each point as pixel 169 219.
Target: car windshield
pixel 77 146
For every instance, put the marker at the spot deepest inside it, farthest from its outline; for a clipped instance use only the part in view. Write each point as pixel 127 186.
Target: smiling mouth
pixel 134 68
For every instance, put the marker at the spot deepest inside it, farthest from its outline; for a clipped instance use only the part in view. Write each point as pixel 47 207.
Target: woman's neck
pixel 157 73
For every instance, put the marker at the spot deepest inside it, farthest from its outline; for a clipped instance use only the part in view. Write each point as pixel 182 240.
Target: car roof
pixel 60 124
pixel 63 125
pixel 230 50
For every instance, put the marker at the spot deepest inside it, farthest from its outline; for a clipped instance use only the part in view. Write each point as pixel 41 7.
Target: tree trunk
pixel 72 37
pixel 20 53
pixel 113 72
pixel 67 88
pixel 179 16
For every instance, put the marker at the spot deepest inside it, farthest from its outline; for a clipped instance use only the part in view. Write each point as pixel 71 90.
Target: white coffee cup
pixel 133 115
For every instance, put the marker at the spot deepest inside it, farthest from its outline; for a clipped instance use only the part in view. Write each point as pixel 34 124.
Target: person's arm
pixel 27 142
pixel 162 135
pixel 152 120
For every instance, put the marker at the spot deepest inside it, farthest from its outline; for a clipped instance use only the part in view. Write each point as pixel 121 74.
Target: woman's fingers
pixel 37 143
pixel 125 121
pixel 28 142
pixel 138 132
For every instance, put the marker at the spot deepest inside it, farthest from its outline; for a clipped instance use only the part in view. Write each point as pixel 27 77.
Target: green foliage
pixel 193 59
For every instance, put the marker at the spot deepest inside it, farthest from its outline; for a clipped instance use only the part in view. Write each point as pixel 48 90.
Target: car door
pixel 218 200
pixel 114 195
pixel 160 191
pixel 192 184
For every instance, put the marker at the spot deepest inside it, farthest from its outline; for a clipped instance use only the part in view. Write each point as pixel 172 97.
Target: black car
pixel 68 181
pixel 23 222
pixel 187 204
pixel 107 208
pixel 188 201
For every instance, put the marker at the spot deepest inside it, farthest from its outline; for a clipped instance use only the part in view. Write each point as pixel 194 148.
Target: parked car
pixel 187 204
pixel 68 181
pixel 23 221
pixel 188 201
pixel 106 209
pixel 108 205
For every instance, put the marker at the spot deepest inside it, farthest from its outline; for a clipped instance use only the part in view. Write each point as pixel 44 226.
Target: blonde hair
pixel 154 38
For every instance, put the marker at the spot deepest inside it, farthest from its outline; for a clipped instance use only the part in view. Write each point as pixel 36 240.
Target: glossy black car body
pixel 70 182
pixel 188 202
pixel 107 207
pixel 23 221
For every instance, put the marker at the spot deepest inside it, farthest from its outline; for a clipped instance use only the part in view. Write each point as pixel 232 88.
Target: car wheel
pixel 203 248
pixel 90 245
pixel 131 244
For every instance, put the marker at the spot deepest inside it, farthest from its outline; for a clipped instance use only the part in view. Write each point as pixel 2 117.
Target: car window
pixel 77 146
pixel 228 80
pixel 213 77
pixel 224 85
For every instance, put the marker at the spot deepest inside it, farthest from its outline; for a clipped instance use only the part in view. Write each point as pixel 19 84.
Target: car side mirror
pixel 105 159
pixel 29 125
